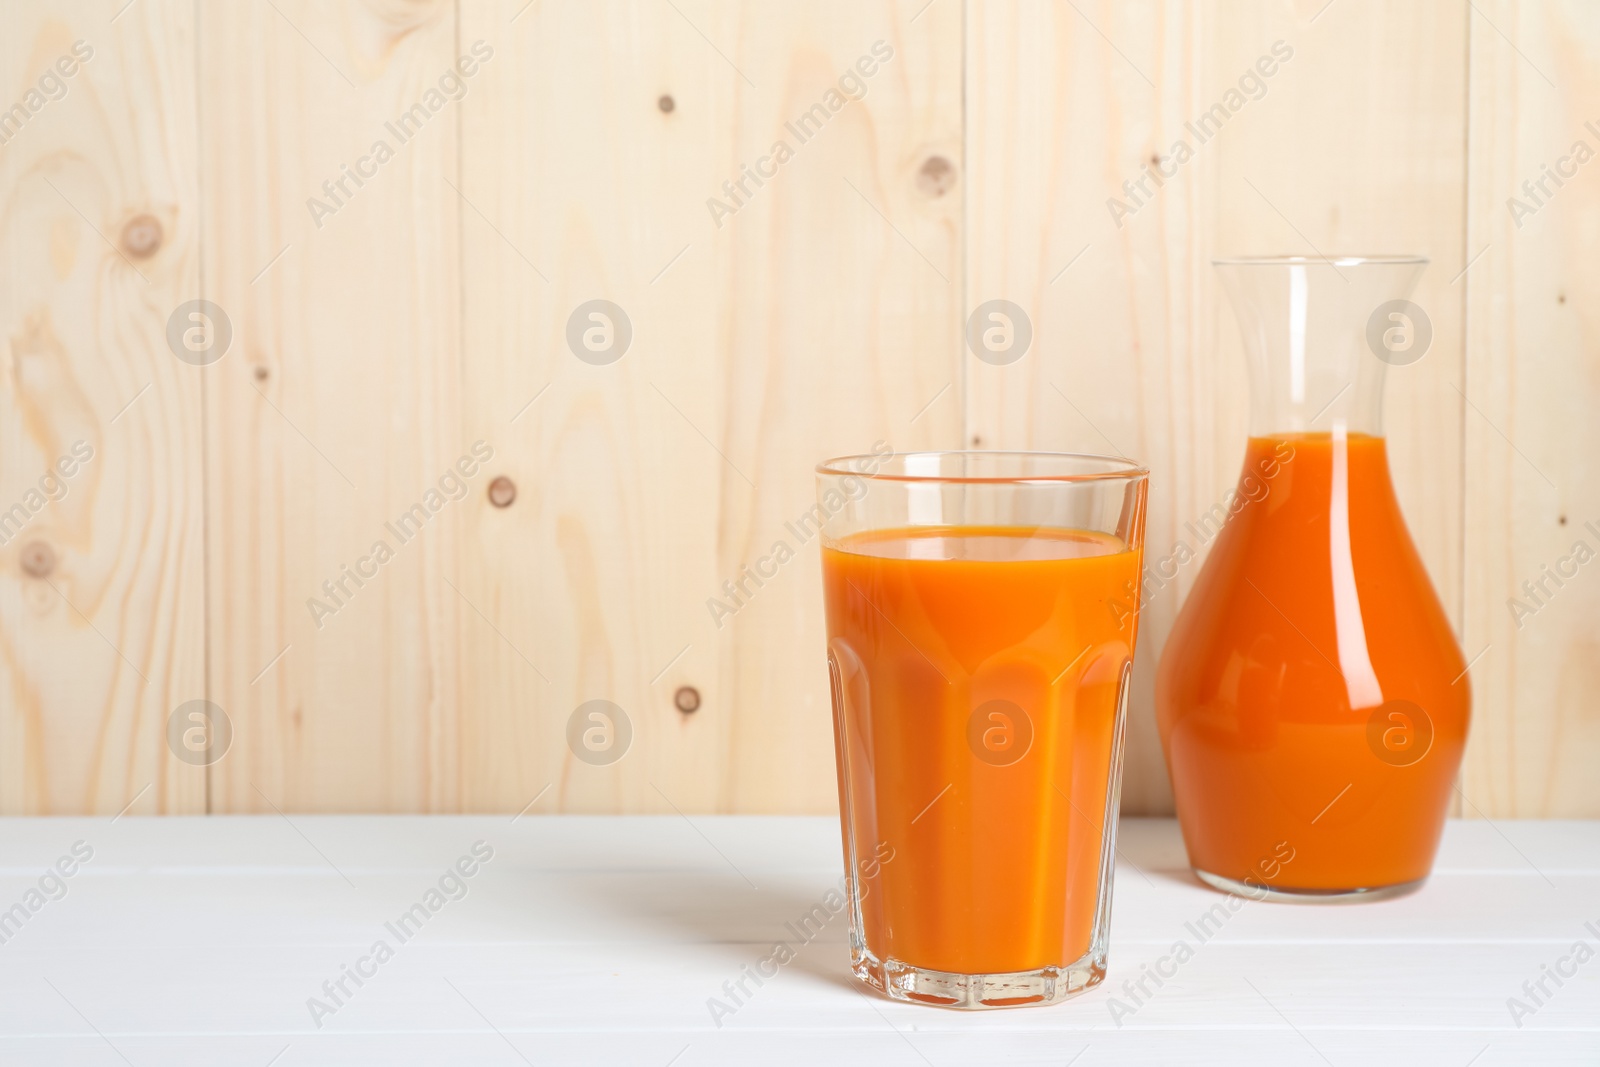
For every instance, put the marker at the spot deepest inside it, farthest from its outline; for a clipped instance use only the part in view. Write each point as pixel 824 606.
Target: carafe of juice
pixel 1311 700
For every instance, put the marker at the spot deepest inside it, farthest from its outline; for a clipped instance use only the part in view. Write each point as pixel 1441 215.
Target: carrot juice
pixel 1312 700
pixel 978 676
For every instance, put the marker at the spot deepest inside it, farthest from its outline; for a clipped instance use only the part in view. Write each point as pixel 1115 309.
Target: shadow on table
pixel 742 914
pixel 721 911
pixel 1151 850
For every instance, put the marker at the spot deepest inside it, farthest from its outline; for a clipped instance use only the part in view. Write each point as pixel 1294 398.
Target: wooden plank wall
pixel 402 335
pixel 339 407
pixel 102 609
pixel 1532 431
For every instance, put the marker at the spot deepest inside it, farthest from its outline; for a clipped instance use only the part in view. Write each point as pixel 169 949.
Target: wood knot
pixel 936 176
pixel 141 237
pixel 666 103
pixel 686 699
pixel 38 558
pixel 502 491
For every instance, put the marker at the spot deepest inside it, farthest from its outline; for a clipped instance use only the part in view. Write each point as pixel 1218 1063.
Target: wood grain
pixel 338 409
pixel 101 599
pixel 384 327
pixel 1533 493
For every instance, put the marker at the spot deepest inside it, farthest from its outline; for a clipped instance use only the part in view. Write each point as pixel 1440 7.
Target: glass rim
pixel 1320 261
pixel 1113 468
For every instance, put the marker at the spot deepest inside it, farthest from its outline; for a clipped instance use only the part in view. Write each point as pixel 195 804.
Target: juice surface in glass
pixel 977 673
pixel 1312 700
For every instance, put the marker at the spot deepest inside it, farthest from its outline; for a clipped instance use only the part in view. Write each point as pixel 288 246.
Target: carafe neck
pixel 1319 335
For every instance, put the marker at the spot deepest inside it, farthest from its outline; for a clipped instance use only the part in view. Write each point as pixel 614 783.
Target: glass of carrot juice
pixel 982 610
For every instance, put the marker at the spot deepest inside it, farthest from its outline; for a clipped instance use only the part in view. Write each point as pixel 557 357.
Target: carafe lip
pixel 1320 261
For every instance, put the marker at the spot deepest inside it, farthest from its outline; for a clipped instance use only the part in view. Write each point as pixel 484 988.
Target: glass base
pixel 1305 896
pixel 947 989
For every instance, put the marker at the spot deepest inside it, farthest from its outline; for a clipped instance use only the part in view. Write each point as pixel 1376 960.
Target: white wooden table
pixel 600 940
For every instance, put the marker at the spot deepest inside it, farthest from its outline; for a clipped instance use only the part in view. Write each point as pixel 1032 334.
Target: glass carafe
pixel 1312 700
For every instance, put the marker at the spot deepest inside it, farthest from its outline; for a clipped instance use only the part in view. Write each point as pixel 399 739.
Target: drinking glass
pixel 1312 700
pixel 982 609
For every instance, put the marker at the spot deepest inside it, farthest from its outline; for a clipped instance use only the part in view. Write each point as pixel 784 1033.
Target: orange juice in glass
pixel 982 610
